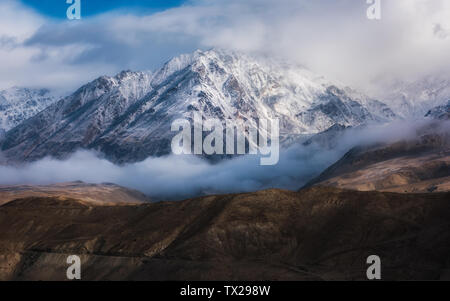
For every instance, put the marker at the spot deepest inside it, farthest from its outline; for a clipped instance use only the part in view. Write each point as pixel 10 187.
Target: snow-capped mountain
pixel 128 117
pixel 415 99
pixel 18 104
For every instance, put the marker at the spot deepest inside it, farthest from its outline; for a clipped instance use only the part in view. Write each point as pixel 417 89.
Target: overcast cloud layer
pixel 333 38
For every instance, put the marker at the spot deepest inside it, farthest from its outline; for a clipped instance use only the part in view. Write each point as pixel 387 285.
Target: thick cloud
pixel 175 177
pixel 179 177
pixel 333 38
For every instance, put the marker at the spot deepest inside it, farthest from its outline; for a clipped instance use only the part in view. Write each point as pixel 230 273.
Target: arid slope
pixel 317 233
pixel 100 194
pixel 414 165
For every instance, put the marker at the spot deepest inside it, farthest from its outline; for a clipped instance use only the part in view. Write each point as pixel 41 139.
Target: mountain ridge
pixel 127 117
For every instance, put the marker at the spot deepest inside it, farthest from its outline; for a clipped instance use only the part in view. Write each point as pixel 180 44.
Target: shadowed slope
pixel 318 233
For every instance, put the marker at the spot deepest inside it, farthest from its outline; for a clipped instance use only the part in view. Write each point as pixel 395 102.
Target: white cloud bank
pixel 180 177
pixel 333 38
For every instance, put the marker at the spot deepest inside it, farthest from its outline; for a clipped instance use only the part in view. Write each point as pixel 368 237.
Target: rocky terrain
pixel 315 234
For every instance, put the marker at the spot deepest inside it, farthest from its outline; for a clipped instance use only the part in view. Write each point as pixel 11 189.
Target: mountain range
pixel 388 199
pixel 128 117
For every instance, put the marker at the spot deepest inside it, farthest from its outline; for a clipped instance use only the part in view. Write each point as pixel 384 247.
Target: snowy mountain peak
pixel 414 99
pixel 128 116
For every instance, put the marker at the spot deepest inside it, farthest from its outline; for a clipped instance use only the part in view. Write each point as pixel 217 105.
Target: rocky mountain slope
pixel 420 164
pixel 19 104
pixel 128 117
pixel 318 233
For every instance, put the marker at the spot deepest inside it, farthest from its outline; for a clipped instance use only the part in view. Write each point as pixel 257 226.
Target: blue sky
pixel 57 8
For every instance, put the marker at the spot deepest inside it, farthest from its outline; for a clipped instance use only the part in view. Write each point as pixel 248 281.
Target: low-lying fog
pixel 177 177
